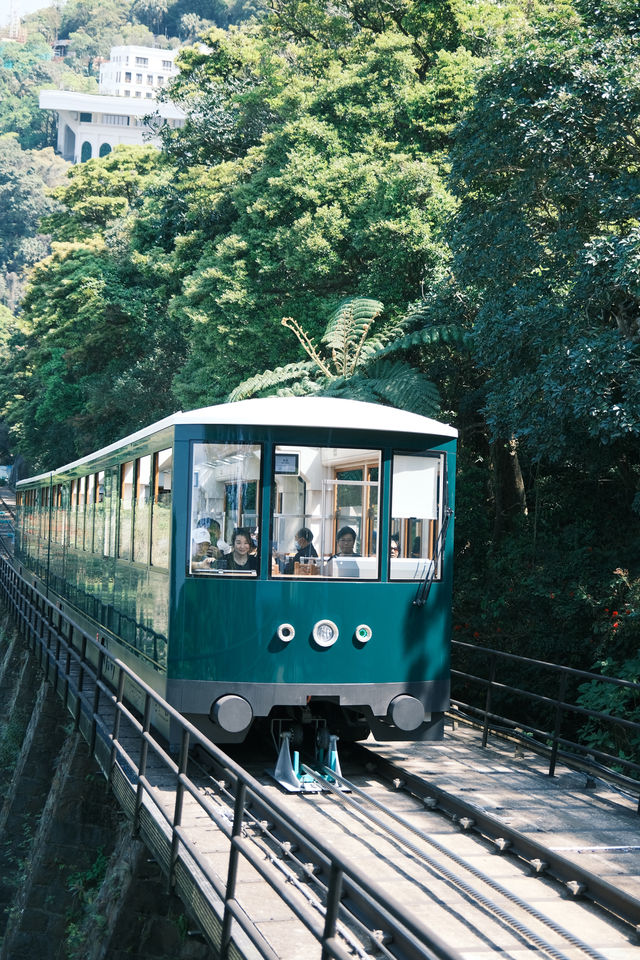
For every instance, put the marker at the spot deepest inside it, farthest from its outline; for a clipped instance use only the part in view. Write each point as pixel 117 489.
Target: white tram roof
pixel 323 412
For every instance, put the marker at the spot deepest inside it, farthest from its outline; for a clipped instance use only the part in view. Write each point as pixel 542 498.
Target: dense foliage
pixel 472 166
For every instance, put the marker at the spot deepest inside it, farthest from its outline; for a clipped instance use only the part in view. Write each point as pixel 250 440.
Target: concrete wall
pixel 75 884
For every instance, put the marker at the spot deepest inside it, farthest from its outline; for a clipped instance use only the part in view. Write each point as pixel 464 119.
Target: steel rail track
pixel 483 902
pixel 577 880
pixel 298 863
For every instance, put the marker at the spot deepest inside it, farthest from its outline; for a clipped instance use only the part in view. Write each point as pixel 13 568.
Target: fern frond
pixel 347 330
pixel 451 334
pixel 307 344
pixel 265 382
pixel 394 384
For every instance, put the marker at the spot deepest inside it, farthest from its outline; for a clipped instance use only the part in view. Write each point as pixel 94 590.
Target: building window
pixel 166 64
pixel 149 79
pixel 148 95
pixel 138 93
pixel 142 61
pixel 138 78
pixel 115 119
pixel 85 118
pixel 127 77
pixel 160 80
pixel 85 153
pixel 127 93
pixel 105 149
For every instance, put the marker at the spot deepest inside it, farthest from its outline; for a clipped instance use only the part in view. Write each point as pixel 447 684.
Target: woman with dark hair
pixel 240 559
pixel 345 542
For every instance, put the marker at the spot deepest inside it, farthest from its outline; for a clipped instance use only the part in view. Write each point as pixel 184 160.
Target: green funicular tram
pixel 279 562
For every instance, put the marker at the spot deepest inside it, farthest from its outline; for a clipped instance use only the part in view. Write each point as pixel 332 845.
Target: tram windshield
pixel 325 512
pixel 225 501
pixel 326 519
pixel 416 495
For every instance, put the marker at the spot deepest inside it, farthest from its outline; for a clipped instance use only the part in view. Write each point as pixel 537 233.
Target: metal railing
pixel 559 710
pixel 97 688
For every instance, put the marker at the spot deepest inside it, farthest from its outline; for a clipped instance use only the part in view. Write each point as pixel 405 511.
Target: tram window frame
pixel 141 545
pixel 125 509
pixel 90 501
pixel 321 512
pixel 160 556
pixel 223 504
pixel 414 566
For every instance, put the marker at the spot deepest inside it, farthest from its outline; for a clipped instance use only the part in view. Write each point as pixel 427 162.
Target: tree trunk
pixel 508 485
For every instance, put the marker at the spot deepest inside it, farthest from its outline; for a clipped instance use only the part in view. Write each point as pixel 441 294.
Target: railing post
pixel 232 873
pixel 177 811
pixel 487 703
pixel 334 893
pixel 96 703
pixel 558 723
pixel 142 765
pixel 116 720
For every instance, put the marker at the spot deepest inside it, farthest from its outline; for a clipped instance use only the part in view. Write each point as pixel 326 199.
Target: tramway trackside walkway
pixel 587 820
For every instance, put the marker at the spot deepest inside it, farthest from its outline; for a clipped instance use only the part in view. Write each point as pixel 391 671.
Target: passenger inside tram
pixel 305 549
pixel 241 559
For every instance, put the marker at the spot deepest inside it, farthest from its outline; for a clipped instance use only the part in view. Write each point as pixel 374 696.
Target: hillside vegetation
pixel 471 166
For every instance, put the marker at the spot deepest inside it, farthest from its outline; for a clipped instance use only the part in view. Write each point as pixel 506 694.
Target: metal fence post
pixel 177 810
pixel 334 893
pixel 487 703
pixel 232 873
pixel 558 723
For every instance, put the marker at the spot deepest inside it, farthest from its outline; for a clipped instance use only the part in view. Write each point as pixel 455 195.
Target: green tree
pixel 25 176
pixel 94 353
pixel 547 237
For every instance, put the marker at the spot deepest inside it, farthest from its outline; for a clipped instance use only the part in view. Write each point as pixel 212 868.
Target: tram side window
pixel 90 511
pixel 45 518
pixel 126 509
pixel 99 514
pixel 73 513
pixel 416 498
pixel 110 511
pixel 225 509
pixel 82 503
pixel 58 515
pixel 142 509
pixel 161 508
pixel 325 512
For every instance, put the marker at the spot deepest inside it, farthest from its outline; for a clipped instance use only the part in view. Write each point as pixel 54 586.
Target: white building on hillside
pixel 137 71
pixel 91 125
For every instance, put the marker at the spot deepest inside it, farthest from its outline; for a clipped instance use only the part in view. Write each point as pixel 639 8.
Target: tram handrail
pixel 552 742
pixel 45 627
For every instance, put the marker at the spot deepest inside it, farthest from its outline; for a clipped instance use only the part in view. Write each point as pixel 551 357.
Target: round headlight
pixel 325 633
pixel 286 632
pixel 363 633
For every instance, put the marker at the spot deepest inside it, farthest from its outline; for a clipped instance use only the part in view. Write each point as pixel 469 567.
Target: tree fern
pixel 451 334
pixel 347 331
pixel 352 361
pixel 394 384
pixel 264 383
